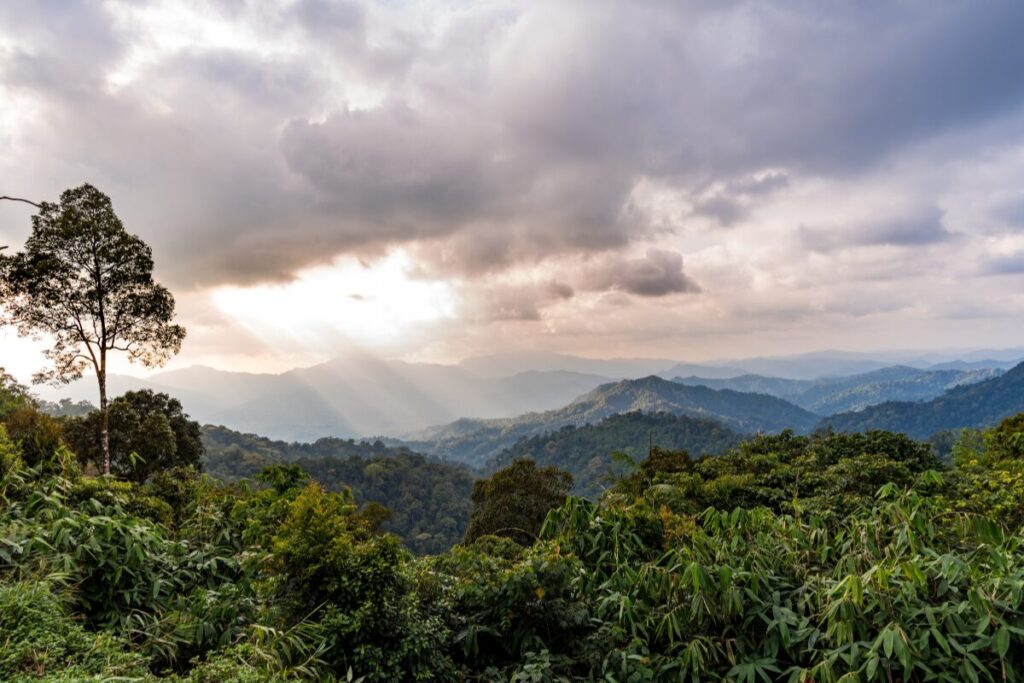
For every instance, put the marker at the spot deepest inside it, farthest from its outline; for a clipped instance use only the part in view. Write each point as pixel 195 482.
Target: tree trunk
pixel 104 423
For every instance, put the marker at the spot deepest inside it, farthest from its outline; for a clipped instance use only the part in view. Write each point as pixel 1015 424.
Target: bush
pixel 41 641
pixel 36 434
pixel 357 587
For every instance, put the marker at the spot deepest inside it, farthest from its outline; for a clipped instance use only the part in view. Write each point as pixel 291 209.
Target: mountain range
pixel 347 398
pixel 831 395
pixel 975 405
pixel 475 442
pixel 364 396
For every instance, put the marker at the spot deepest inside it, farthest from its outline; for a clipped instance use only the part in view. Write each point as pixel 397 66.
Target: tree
pixel 87 284
pixel 150 425
pixel 37 434
pixel 514 501
pixel 12 395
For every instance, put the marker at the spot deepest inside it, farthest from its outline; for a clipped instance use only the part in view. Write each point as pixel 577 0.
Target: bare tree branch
pixel 19 199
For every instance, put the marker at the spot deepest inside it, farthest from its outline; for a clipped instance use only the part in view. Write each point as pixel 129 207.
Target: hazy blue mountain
pixel 831 364
pixel 476 441
pixel 587 451
pixel 363 395
pixel 842 394
pixel 710 371
pixel 349 397
pixel 804 366
pixel 975 405
pixel 988 364
pixel 512 363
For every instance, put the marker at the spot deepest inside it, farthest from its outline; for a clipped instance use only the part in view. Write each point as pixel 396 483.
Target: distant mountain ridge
pixel 835 395
pixel 350 398
pixel 975 405
pixel 586 452
pixel 476 441
pixel 362 395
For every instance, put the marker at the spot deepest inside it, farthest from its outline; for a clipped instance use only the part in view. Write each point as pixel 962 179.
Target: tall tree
pixel 514 501
pixel 85 283
pixel 150 425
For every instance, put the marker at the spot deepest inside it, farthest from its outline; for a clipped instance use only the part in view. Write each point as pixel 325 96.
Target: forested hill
pixel 586 451
pixel 830 395
pixel 429 499
pixel 477 441
pixel 222 440
pixel 975 405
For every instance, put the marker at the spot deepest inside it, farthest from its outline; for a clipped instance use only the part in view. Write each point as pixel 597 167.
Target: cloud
pixel 1011 211
pixel 249 141
pixel 1005 264
pixel 920 227
pixel 761 184
pixel 526 128
pixel 512 302
pixel 723 209
pixel 658 273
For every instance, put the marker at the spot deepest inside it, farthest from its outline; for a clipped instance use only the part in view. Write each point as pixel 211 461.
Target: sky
pixel 435 179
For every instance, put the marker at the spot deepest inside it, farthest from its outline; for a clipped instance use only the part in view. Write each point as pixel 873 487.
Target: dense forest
pixel 588 452
pixel 477 442
pixel 981 404
pixel 792 558
pixel 428 500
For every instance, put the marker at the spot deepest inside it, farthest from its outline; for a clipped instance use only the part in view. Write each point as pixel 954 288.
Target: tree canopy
pixel 87 284
pixel 514 501
pixel 149 433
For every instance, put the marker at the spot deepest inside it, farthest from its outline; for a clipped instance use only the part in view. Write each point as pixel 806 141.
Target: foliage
pixel 87 284
pixel 428 499
pixel 586 451
pixel 827 473
pixel 354 584
pixel 828 558
pixel 37 434
pixel 514 501
pixel 66 408
pixel 13 395
pixel 40 640
pixel 149 433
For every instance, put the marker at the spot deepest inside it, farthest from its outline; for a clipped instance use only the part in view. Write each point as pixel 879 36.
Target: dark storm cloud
pixel 504 135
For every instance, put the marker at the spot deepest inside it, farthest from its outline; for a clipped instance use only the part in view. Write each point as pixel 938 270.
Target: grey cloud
pixel 402 175
pixel 512 302
pixel 1009 264
pixel 1011 211
pixel 918 228
pixel 725 210
pixel 513 134
pixel 333 17
pixel 732 203
pixel 658 273
pixel 760 185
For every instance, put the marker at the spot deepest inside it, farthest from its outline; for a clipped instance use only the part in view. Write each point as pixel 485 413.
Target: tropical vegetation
pixel 788 558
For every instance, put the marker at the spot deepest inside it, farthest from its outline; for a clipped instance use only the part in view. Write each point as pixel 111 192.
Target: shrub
pixel 39 640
